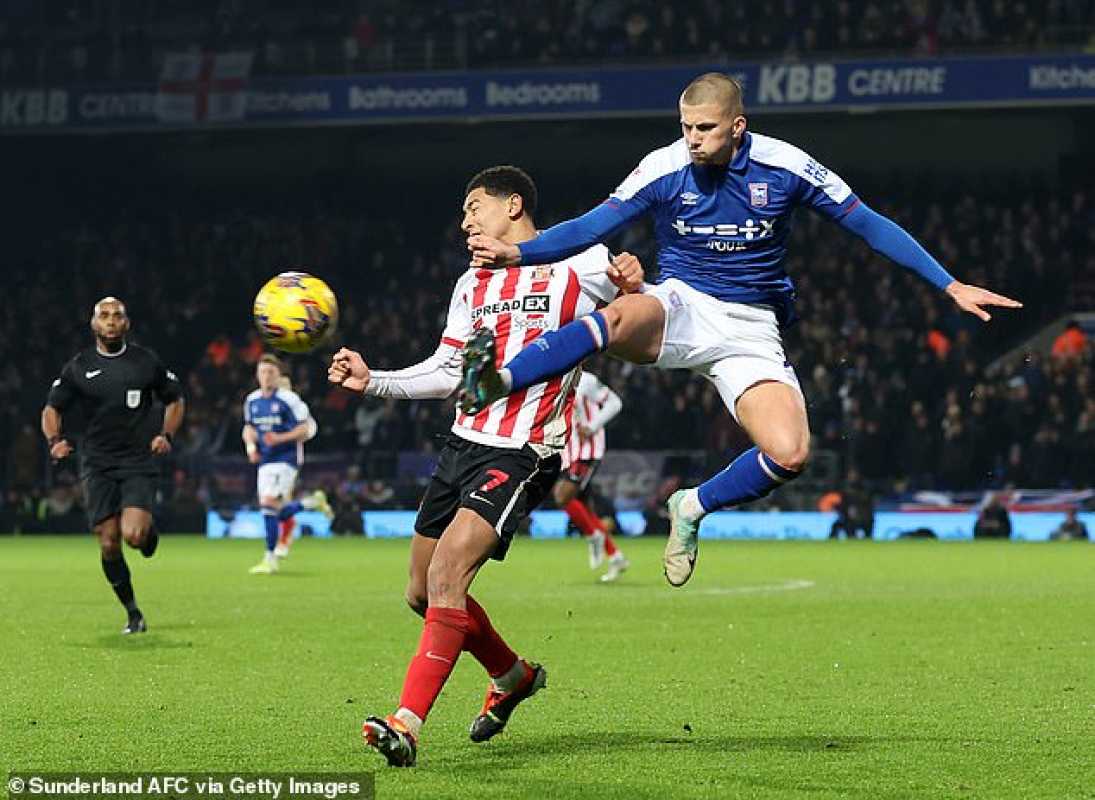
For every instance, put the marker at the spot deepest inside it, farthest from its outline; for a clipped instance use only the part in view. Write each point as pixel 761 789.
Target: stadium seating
pixel 95 40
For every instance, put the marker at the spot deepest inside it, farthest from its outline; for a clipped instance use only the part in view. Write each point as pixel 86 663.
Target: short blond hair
pixel 272 360
pixel 715 87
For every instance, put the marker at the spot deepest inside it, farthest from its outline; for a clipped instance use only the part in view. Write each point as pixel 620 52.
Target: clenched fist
pixel 349 370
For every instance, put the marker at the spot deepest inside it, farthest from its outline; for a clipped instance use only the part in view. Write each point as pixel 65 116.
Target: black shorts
pixel 108 491
pixel 580 473
pixel 500 485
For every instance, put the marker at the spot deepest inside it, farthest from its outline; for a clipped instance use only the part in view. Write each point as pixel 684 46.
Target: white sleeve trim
pixel 655 165
pixel 778 153
pixel 296 405
pixel 612 406
pixel 434 378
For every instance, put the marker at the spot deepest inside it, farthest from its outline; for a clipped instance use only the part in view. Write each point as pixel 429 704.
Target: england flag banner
pixel 203 87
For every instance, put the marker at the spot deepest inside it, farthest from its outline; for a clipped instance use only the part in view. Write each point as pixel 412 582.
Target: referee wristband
pixel 52 440
pixel 168 436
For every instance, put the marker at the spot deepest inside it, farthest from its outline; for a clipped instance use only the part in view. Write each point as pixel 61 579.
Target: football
pixel 295 312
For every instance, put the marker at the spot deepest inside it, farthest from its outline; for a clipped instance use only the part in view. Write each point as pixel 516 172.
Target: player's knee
pixel 563 493
pixel 634 325
pixel 134 532
pixel 790 452
pixel 614 316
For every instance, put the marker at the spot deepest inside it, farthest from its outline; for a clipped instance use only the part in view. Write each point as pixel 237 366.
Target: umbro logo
pixel 689 199
pixel 92 373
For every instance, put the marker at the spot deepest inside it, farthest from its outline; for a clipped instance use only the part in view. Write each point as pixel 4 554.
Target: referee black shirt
pixel 116 394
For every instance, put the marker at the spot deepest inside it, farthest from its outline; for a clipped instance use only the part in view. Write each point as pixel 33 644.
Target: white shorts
pixel 277 480
pixel 733 345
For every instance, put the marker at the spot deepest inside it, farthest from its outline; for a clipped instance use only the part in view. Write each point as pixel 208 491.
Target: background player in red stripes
pixel 595 405
pixel 497 465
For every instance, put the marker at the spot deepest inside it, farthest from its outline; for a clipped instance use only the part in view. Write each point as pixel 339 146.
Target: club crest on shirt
pixel 691 198
pixel 132 398
pixel 758 195
pixel 543 273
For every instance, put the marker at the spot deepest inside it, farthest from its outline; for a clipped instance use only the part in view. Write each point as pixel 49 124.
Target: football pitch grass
pixel 784 670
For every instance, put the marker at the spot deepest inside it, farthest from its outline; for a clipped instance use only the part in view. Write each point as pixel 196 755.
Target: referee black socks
pixel 151 540
pixel 117 575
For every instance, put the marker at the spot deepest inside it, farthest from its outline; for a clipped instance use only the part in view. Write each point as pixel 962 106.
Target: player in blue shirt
pixel 723 200
pixel 276 425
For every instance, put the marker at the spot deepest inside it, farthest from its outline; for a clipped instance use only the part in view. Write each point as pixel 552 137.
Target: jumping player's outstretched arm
pixel 823 191
pixel 639 192
pixel 557 243
pixel 891 240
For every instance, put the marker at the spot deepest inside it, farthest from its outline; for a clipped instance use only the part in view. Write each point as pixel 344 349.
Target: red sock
pixel 484 643
pixel 588 523
pixel 581 516
pixel 442 640
pixel 286 534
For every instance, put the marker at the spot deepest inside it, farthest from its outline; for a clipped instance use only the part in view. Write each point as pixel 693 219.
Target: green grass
pixel 892 670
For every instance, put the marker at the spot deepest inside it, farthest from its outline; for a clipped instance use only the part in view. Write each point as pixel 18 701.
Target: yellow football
pixel 295 312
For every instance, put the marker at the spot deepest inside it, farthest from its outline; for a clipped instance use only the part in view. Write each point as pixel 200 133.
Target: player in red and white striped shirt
pixel 497 465
pixel 594 406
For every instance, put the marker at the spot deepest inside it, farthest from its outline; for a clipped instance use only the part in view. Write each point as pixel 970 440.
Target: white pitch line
pixel 787 586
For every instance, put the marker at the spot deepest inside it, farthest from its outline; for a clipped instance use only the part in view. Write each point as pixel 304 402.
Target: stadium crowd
pixel 901 387
pixel 80 40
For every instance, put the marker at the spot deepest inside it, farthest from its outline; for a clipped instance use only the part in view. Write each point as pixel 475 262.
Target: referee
pixel 114 384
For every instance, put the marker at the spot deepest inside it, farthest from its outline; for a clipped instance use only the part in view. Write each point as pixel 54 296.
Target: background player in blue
pixel 276 425
pixel 723 201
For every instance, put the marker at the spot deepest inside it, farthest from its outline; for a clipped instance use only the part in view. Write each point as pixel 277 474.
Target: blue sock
pixel 270 519
pixel 750 476
pixel 289 509
pixel 558 351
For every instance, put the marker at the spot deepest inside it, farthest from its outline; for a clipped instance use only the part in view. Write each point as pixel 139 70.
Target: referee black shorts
pixel 501 485
pixel 108 491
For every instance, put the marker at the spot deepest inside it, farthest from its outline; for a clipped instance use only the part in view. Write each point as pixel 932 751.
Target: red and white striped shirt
pixel 519 304
pixel 594 405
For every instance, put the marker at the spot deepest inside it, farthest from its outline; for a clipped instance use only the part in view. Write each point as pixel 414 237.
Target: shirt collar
pixel 740 162
pixel 105 354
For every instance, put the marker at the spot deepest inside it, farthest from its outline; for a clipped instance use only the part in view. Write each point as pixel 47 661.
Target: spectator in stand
pixel 441 34
pixel 993 522
pixel 1070 528
pixel 855 511
pixel 1072 341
